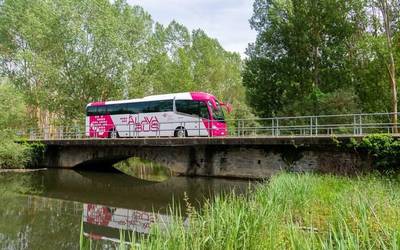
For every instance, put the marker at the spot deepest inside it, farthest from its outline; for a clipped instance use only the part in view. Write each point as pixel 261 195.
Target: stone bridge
pixel 241 157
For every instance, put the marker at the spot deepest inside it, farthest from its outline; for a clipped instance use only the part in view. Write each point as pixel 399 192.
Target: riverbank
pixel 294 212
pixel 21 170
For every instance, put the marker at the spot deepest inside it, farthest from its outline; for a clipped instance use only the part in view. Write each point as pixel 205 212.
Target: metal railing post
pixel 199 127
pixel 273 127
pixel 242 130
pixel 32 134
pixel 61 133
pixel 238 128
pixel 361 129
pixel 209 132
pixel 277 127
pixel 45 132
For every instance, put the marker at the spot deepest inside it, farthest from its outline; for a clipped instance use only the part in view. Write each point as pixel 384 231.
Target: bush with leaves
pixel 383 148
pixel 12 154
pixel 12 117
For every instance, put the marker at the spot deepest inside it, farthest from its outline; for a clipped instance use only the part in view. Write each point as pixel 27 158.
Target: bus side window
pixel 165 106
pixel 122 109
pixel 135 108
pixel 158 106
pixel 151 107
pixel 188 107
pixel 101 110
pixel 203 110
pixel 112 109
pixel 91 110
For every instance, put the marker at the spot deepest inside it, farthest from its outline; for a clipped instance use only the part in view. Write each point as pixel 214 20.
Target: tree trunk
pixel 393 86
pixel 391 65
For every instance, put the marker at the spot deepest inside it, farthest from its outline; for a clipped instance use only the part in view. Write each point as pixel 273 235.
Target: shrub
pixel 12 154
pixel 13 118
pixel 383 148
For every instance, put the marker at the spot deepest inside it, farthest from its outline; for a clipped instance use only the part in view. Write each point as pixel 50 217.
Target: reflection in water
pixel 108 223
pixel 143 169
pixel 119 190
pixel 44 209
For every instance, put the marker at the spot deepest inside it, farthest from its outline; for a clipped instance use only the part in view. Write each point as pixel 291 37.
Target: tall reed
pixel 293 211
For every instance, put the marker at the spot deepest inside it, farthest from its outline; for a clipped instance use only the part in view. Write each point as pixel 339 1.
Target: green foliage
pixel 321 57
pixel 12 106
pixel 293 212
pixel 65 54
pixel 35 153
pixel 13 118
pixel 384 149
pixel 300 58
pixel 12 154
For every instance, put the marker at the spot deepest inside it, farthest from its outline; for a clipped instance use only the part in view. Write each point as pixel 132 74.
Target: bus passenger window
pixel 165 106
pixel 135 108
pixel 203 110
pixel 196 108
pixel 91 110
pixel 101 110
pixel 188 107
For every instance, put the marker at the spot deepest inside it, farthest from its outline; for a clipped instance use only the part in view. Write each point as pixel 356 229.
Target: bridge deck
pixel 281 140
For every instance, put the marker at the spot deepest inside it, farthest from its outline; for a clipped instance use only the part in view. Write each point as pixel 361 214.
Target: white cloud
pixel 226 20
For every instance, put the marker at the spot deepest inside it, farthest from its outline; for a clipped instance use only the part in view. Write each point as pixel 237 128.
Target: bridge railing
pixel 348 124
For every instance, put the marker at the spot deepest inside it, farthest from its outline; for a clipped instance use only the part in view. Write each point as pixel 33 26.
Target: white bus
pixel 179 115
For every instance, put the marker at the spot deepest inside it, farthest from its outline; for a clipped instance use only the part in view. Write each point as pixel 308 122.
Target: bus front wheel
pixel 180 132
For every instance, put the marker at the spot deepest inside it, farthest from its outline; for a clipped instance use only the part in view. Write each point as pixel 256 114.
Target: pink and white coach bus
pixel 179 115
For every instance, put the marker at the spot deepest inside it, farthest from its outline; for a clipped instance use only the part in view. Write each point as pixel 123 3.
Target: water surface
pixel 53 209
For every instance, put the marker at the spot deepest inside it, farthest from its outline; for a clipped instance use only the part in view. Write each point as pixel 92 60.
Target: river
pixel 57 209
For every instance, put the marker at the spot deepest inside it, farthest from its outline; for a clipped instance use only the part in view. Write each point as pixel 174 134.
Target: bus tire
pixel 113 134
pixel 180 132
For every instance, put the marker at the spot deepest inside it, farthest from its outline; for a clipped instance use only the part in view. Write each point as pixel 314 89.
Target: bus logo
pixel 146 124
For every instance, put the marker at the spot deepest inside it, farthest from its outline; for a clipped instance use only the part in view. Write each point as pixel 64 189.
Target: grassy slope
pixel 295 212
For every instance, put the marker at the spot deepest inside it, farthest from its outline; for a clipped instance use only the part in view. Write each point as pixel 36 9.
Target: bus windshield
pixel 217 113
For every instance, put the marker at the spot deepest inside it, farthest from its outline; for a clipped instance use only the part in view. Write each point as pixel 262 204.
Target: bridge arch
pixel 178 159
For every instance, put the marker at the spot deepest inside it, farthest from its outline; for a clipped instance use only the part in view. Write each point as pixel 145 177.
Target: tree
pixel 65 54
pixel 390 16
pixel 312 54
pixel 13 117
pixel 300 55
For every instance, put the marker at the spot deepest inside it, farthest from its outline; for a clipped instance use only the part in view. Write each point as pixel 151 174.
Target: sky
pixel 225 20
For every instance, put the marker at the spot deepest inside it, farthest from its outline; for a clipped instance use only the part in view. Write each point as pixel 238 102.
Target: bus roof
pixel 176 96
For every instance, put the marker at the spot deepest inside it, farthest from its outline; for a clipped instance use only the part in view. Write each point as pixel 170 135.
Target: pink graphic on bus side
pixel 100 125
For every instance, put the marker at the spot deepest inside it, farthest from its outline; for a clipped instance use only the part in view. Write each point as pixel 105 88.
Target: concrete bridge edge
pixel 237 161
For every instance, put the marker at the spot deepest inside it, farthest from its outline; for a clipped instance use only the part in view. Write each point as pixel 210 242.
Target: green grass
pixel 293 212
